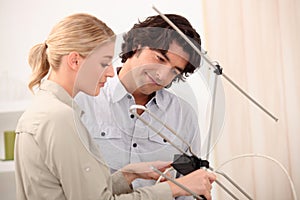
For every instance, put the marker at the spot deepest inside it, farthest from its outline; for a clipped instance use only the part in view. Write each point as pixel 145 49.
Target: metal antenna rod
pixel 211 64
pixel 176 182
pixel 133 110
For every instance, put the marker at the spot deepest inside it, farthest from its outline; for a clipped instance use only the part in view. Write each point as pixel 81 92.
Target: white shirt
pixel 123 139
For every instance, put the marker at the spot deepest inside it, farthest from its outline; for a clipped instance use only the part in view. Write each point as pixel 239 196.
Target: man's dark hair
pixel 157 34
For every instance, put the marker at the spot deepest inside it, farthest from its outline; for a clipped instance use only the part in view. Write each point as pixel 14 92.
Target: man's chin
pixel 150 89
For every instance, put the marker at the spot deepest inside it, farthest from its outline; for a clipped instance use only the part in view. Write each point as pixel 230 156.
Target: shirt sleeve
pixel 120 187
pixel 119 184
pixel 192 127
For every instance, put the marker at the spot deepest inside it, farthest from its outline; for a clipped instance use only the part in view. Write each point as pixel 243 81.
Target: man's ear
pixel 137 51
pixel 74 60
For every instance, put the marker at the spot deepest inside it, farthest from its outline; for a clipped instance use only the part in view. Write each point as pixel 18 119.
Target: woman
pixel 55 158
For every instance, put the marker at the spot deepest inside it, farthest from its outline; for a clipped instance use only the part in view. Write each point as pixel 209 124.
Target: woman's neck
pixel 67 84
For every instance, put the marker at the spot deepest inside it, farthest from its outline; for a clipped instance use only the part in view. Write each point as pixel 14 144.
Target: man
pixel 153 56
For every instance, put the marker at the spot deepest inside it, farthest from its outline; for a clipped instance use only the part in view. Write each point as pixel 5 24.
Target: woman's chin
pixel 96 92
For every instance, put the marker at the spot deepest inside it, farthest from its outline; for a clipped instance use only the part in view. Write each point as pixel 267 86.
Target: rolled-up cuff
pixel 120 184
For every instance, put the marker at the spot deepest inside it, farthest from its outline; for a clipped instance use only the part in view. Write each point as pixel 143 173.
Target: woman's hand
pixel 143 170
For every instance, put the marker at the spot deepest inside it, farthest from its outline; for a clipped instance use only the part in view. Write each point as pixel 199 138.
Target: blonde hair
pixel 78 32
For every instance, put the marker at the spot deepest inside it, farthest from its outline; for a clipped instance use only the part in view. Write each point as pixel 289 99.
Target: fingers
pixel 207 195
pixel 166 174
pixel 208 180
pixel 200 182
pixel 161 165
pixel 212 177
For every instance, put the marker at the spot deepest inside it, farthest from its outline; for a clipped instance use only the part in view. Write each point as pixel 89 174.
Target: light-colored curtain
pixel 257 42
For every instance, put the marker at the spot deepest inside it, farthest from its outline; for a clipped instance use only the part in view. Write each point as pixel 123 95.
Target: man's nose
pixel 164 74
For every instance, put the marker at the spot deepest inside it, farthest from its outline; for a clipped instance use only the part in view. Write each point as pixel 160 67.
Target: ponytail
pixel 78 32
pixel 39 64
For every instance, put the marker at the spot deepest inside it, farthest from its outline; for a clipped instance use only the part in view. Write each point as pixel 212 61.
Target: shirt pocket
pixel 155 137
pixel 107 132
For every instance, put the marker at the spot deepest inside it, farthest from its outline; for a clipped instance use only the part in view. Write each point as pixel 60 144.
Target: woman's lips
pixel 101 84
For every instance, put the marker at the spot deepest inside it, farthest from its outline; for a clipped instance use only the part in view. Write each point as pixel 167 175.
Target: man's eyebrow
pixel 179 69
pixel 166 57
pixel 163 54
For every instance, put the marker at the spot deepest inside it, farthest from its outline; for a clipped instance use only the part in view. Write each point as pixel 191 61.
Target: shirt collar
pixel 117 89
pixel 60 94
pixel 161 99
pixel 118 92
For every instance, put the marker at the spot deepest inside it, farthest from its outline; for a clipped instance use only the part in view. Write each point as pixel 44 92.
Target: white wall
pixel 26 23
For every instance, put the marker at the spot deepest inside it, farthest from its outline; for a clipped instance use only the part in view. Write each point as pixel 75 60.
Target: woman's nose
pixel 110 71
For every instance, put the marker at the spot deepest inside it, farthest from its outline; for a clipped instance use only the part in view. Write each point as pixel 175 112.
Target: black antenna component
pixel 185 163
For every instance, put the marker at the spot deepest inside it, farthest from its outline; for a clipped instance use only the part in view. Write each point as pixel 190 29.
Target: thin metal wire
pixel 212 65
pixel 133 110
pixel 269 158
pixel 176 182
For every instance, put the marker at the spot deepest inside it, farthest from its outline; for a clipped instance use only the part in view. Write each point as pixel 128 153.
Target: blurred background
pixel 256 43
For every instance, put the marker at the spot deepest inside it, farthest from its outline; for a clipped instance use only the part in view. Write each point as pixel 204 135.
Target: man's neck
pixel 139 97
pixel 126 79
pixel 142 99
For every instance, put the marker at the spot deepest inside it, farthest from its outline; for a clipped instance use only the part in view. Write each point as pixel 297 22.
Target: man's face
pixel 150 70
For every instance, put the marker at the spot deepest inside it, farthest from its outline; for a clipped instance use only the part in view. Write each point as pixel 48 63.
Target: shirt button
pixel 87 169
pixel 102 133
pixel 165 141
pixel 134 145
pixel 129 97
pixel 132 116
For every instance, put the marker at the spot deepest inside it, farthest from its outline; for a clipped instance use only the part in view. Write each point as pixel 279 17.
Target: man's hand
pixel 198 181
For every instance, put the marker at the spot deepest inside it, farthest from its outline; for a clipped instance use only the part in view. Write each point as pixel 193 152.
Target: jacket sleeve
pixel 81 175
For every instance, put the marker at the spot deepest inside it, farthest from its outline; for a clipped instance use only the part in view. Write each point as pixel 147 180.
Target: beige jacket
pixel 55 158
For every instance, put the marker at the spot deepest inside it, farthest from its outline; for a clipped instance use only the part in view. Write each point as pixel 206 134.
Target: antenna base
pixel 186 164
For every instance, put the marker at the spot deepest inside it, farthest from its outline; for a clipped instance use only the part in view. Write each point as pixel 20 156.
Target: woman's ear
pixel 74 60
